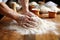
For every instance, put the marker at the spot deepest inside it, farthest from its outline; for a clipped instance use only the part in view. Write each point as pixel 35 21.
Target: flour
pixel 43 27
pixel 44 9
pixel 52 6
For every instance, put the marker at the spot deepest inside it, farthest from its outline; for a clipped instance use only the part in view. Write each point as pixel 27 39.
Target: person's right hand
pixel 26 21
pixel 28 13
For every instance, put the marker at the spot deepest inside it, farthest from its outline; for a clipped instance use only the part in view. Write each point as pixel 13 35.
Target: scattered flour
pixel 43 26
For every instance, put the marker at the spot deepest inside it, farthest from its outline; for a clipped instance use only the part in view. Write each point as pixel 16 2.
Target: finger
pixel 26 20
pixel 24 26
pixel 31 19
pixel 28 25
pixel 32 23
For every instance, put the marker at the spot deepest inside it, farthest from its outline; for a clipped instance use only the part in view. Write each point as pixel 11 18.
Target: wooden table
pixel 13 35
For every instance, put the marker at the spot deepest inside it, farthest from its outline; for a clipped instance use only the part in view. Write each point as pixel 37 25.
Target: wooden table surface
pixel 12 35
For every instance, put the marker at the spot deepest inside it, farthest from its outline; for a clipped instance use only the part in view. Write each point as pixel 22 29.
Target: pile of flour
pixel 43 26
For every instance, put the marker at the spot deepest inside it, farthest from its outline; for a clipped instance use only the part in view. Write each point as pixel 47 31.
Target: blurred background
pixel 56 1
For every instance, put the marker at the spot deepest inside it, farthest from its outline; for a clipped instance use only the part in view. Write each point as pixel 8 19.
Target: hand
pixel 26 21
pixel 28 13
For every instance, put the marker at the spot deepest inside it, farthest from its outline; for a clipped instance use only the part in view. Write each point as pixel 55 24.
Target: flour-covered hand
pixel 26 21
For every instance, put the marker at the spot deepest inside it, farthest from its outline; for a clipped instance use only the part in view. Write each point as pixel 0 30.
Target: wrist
pixel 25 10
pixel 18 17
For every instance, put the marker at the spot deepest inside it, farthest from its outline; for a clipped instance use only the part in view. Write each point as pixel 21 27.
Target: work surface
pixel 13 35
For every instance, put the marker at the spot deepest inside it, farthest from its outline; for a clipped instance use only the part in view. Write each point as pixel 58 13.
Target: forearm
pixel 5 10
pixel 25 4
